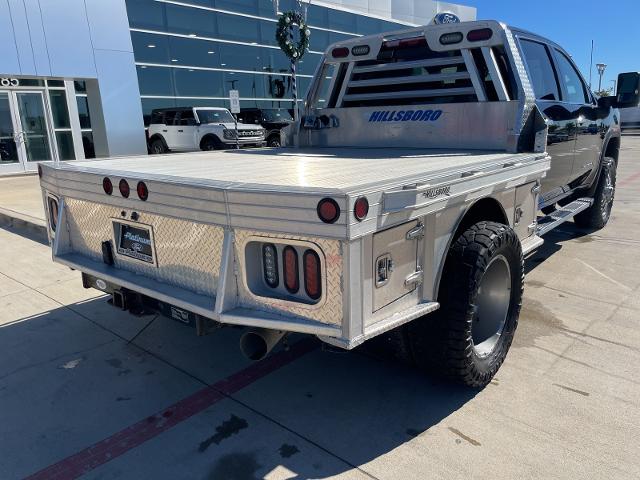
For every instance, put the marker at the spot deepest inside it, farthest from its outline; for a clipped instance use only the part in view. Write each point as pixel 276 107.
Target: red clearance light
pixel 312 275
pixel 361 208
pixel 405 42
pixel 123 186
pixel 290 261
pixel 340 52
pixel 328 210
pixel 143 191
pixel 479 35
pixel 107 186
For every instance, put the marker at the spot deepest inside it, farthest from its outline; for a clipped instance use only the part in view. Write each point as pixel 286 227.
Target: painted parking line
pixel 121 442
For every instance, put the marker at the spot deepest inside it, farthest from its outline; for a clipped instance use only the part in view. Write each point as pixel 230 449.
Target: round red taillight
pixel 40 171
pixel 340 52
pixel 143 191
pixel 328 210
pixel 361 208
pixel 107 186
pixel 123 186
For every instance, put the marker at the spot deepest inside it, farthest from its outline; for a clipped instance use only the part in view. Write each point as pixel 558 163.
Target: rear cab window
pixel 540 68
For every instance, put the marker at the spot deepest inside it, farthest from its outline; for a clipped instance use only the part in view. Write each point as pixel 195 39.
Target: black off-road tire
pixel 158 147
pixel 274 141
pixel 211 143
pixel 597 215
pixel 442 342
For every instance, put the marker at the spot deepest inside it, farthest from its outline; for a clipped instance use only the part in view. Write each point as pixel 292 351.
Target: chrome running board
pixel 551 221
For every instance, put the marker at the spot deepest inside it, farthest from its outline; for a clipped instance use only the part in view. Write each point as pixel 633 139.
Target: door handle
pixel 180 131
pixel 165 131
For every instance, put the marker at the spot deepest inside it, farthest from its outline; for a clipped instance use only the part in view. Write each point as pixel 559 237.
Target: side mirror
pixel 628 90
pixel 607 102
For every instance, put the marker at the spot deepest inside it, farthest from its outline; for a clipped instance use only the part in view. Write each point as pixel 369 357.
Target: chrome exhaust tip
pixel 256 344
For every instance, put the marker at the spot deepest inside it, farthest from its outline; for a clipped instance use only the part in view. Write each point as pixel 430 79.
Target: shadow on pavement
pixel 352 406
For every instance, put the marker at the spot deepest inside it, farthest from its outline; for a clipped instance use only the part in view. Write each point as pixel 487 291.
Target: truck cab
pixel 188 129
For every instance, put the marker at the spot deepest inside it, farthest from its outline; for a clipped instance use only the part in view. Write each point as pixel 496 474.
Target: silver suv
pixel 187 129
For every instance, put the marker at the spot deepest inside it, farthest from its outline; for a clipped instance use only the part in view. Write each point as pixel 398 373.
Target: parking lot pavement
pixel 86 390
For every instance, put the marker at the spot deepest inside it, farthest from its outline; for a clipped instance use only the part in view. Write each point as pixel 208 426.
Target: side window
pixel 157 117
pixel 540 70
pixel 169 117
pixel 187 118
pixel 574 86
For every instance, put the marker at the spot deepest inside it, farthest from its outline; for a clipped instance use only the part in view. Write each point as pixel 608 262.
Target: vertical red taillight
pixel 290 269
pixel 312 275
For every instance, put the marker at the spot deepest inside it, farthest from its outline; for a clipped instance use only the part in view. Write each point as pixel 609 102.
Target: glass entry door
pixel 24 131
pixel 9 159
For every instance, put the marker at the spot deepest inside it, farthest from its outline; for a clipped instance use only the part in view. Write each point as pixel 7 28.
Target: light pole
pixel 601 67
pixel 615 82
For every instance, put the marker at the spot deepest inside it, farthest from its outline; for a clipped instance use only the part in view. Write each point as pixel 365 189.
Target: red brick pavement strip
pixel 135 435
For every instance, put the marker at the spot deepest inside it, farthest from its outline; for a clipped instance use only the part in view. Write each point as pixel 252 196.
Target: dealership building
pixel 79 78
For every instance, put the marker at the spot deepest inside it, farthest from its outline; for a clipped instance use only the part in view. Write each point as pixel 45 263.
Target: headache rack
pixel 431 68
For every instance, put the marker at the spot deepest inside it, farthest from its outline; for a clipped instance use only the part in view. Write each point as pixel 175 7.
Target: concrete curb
pixel 26 225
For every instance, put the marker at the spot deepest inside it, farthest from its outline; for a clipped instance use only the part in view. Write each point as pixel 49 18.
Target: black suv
pixel 272 119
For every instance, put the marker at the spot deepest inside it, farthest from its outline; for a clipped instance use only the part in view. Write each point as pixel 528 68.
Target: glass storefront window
pixel 59 109
pixel 55 83
pixel 149 48
pixel 191 21
pixel 80 86
pixel 146 14
pixel 197 83
pixel 83 112
pixel 65 145
pixel 87 145
pixel 193 52
pixel 155 81
pixel 242 6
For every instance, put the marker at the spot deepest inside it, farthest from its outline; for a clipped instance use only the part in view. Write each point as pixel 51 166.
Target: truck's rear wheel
pixel 468 338
pixel 598 214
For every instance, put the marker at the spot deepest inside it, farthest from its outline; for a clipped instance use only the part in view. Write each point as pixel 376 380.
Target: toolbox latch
pixel 416 232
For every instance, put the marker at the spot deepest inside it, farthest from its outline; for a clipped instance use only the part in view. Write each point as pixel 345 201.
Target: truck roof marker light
pixel 361 208
pixel 328 210
pixel 143 191
pixel 123 186
pixel 107 186
pixel 312 275
pixel 340 52
pixel 405 42
pixel 451 38
pixel 360 50
pixel 290 269
pixel 479 35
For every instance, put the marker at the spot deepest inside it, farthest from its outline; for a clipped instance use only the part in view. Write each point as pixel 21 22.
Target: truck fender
pixel 610 148
pixel 484 208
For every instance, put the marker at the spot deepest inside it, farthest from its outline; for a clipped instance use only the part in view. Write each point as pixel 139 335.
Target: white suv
pixel 187 129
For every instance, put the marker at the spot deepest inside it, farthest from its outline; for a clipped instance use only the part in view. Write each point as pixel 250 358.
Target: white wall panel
pixel 9 63
pixel 109 25
pixel 38 39
pixel 22 37
pixel 68 38
pixel 121 108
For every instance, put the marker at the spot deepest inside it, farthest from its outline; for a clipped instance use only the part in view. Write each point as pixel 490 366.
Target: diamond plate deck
pixel 188 253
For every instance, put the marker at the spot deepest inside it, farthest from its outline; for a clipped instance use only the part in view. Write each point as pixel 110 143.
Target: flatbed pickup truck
pixel 422 160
